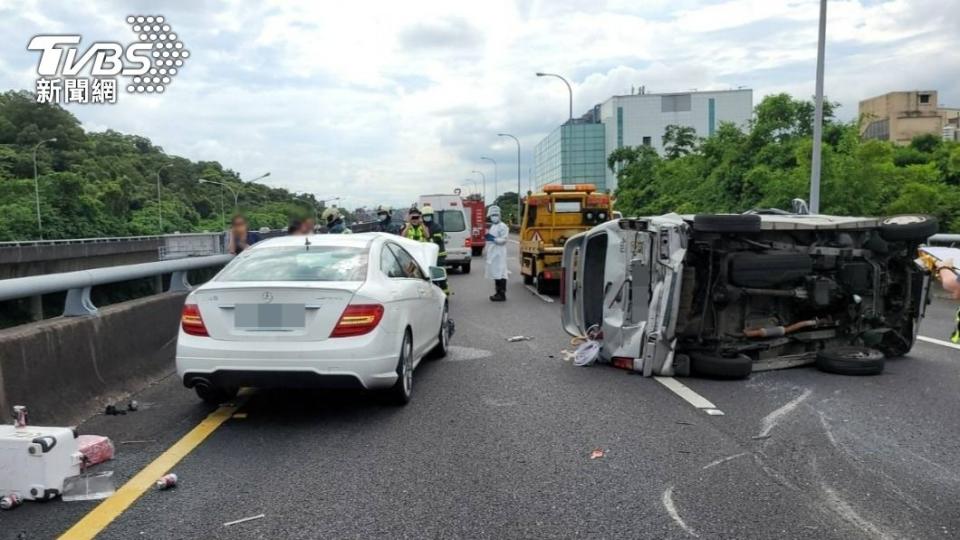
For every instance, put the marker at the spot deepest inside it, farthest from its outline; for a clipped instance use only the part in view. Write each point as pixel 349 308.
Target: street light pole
pixel 818 114
pixel 569 88
pixel 36 183
pixel 476 187
pixel 484 177
pixel 519 194
pixel 160 201
pixel 223 218
pixel 496 176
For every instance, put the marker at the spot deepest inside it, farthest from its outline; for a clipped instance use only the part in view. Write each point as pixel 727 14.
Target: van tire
pixel 850 361
pixel 917 227
pixel 726 223
pixel 476 251
pixel 465 268
pixel 719 367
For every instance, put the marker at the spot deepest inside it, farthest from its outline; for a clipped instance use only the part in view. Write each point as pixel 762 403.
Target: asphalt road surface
pixel 497 443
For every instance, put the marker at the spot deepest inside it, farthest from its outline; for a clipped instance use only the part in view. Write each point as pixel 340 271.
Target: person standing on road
pixel 241 237
pixel 436 236
pixel 334 221
pixel 496 254
pixel 385 221
pixel 947 273
pixel 415 229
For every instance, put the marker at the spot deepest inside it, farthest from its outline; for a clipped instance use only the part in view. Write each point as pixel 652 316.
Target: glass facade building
pixel 574 153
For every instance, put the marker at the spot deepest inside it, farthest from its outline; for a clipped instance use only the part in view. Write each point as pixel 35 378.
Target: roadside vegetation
pixel 105 184
pixel 767 165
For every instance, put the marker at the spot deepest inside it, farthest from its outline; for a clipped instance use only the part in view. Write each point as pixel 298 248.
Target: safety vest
pixel 956 333
pixel 417 232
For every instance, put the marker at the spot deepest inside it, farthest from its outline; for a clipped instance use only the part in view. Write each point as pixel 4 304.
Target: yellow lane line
pixel 107 511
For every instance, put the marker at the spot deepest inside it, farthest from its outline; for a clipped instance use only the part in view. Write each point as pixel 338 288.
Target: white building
pixel 640 119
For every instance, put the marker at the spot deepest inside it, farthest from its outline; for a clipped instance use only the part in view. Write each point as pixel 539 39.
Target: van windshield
pixel 452 220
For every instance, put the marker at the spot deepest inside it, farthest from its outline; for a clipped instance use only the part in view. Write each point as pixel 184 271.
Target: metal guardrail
pixel 78 284
pixel 944 239
pixel 103 240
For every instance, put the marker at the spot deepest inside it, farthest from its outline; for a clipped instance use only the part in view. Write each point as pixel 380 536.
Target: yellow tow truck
pixel 549 218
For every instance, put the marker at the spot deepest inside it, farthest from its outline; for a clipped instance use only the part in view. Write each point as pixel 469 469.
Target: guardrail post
pixel 179 283
pixel 36 307
pixel 78 303
pixel 158 284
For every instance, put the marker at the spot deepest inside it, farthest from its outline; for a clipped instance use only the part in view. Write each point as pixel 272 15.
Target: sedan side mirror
pixel 437 274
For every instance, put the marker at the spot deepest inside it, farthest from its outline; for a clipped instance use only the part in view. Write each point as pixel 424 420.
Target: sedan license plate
pixel 270 316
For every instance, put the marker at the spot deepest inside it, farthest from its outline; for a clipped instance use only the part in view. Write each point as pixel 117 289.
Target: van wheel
pixel 719 367
pixel 543 285
pixel 850 361
pixel 476 251
pixel 465 268
pixel 916 227
pixel 527 280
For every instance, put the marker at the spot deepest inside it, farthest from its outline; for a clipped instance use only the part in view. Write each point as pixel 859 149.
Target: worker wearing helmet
pixel 496 254
pixel 334 221
pixel 415 229
pixel 436 236
pixel 385 221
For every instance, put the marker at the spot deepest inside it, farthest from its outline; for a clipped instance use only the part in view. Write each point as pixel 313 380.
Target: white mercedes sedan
pixel 319 311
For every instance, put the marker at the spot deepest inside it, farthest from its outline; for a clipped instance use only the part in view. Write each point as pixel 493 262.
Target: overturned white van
pixel 722 295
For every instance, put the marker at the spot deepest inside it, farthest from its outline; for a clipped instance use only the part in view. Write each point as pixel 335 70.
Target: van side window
pixel 410 267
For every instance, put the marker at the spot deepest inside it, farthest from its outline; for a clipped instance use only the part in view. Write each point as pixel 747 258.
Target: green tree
pixel 679 141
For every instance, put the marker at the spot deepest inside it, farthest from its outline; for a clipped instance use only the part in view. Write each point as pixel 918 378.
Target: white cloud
pixel 381 101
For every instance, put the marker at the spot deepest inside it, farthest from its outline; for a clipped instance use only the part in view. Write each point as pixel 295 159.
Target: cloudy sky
pixel 380 101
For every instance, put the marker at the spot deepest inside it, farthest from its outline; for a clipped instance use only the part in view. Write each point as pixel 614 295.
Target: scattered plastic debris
pixel 244 520
pixel 133 405
pixel 166 481
pixel 112 410
pixel 240 415
pixel 11 501
pixel 88 487
pixel 515 339
pixel 587 353
pixel 713 412
pixel 597 453
pixel 95 449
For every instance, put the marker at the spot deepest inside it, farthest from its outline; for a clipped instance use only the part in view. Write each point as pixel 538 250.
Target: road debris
pixel 133 405
pixel 19 416
pixel 240 415
pixel 112 410
pixel 515 339
pixel 713 412
pixel 244 520
pixel 586 353
pixel 166 481
pixel 88 487
pixel 95 449
pixel 597 453
pixel 11 501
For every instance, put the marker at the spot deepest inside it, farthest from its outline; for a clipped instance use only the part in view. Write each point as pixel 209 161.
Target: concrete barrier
pixel 64 369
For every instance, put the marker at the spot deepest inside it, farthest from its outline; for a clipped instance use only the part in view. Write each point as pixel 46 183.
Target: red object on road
pixel 95 449
pixel 478 227
pixel 166 481
pixel 11 501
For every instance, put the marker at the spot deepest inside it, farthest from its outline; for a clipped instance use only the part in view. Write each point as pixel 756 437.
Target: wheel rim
pixel 445 329
pixel 407 367
pixel 904 220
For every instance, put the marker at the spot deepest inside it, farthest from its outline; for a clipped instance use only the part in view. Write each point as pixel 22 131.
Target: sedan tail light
pixel 192 322
pixel 358 319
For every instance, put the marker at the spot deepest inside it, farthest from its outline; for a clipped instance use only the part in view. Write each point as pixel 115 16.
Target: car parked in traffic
pixel 318 311
pixel 725 295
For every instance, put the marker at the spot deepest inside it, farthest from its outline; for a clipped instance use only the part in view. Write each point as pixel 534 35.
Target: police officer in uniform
pixel 436 236
pixel 947 273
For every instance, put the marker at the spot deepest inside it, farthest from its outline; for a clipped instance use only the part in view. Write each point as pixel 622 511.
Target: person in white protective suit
pixel 496 254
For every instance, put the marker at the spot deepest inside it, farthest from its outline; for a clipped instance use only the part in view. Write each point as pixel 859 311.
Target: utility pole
pixel 496 175
pixel 818 115
pixel 160 200
pixel 519 192
pixel 36 183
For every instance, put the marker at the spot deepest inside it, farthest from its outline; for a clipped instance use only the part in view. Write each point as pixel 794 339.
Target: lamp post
pixel 519 194
pixel 495 175
pixel 159 200
pixel 223 217
pixel 476 186
pixel 569 88
pixel 484 177
pixel 36 183
pixel 261 177
pixel 818 114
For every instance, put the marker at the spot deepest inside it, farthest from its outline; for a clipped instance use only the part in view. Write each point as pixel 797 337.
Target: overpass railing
pixel 78 284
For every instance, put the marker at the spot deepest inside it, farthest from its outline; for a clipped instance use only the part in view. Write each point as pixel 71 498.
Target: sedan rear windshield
pixel 316 263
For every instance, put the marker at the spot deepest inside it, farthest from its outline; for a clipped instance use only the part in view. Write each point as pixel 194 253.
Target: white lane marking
pixel 770 421
pixel 939 342
pixel 716 462
pixel 851 516
pixel 672 510
pixel 687 394
pixel 514 241
pixel 532 289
